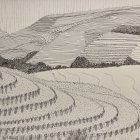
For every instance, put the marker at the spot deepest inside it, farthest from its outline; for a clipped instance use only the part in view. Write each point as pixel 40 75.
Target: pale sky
pixel 18 14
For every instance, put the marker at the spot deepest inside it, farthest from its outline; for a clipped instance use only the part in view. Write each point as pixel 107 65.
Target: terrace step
pixel 64 105
pixel 66 123
pixel 7 83
pixel 123 123
pixel 43 100
pixel 28 90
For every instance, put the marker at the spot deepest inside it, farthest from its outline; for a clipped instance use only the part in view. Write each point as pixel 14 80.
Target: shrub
pixel 80 62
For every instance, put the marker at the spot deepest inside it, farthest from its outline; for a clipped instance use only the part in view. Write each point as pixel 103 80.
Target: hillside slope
pixel 67 109
pixel 60 39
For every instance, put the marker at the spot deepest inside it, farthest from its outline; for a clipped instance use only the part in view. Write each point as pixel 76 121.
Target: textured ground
pixel 70 103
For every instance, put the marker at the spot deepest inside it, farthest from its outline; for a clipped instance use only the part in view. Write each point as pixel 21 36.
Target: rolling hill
pixel 60 39
pixel 72 104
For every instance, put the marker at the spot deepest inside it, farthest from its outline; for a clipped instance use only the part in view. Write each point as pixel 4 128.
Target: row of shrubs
pixel 4 88
pixel 48 116
pixel 19 98
pixel 125 130
pixel 31 107
pixel 60 124
pixel 51 125
pixel 75 134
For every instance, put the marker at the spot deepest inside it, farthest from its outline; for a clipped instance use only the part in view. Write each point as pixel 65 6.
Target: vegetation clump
pixel 82 62
pixel 79 62
pixel 127 29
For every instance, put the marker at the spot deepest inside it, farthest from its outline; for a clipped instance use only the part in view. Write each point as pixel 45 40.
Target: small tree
pixel 80 62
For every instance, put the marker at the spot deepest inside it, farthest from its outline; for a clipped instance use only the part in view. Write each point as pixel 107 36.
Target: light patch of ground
pixel 124 80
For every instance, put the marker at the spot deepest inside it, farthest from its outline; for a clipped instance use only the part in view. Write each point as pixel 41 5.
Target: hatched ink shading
pixel 65 77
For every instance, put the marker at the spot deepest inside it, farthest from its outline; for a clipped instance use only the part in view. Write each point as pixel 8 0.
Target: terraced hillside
pixel 112 47
pixel 83 35
pixel 37 109
pixel 59 39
